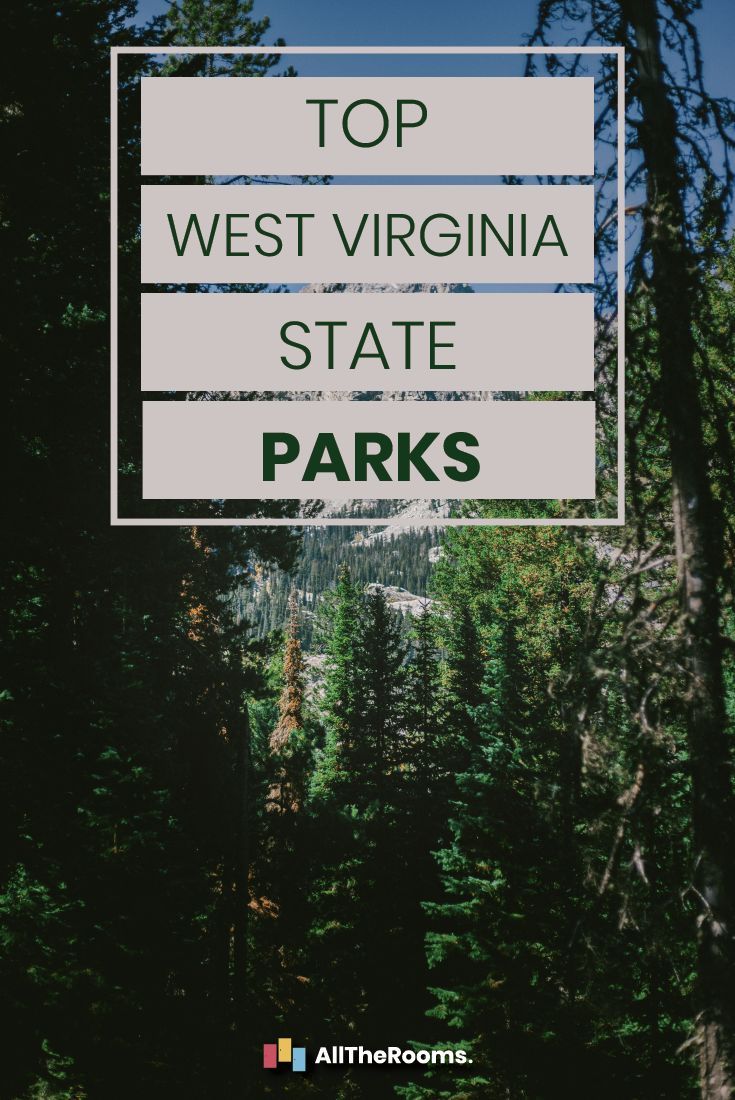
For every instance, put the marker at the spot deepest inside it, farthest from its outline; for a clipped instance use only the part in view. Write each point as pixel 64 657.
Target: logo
pixel 283 1051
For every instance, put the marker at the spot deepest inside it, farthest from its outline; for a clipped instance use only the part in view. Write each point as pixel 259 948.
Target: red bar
pixel 270 1055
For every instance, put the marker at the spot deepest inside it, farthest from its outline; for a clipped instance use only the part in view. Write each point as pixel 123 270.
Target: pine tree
pixel 491 934
pixel 344 690
pixel 465 666
pixel 125 746
pixel 287 741
pixel 383 678
pixel 281 864
pixel 367 884
pixel 681 138
pixel 426 704
pixel 493 938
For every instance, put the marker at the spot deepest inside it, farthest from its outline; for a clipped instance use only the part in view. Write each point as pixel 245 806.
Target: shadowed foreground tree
pixel 681 138
pixel 125 740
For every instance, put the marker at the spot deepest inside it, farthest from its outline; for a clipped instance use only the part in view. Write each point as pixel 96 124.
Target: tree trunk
pixel 242 893
pixel 699 551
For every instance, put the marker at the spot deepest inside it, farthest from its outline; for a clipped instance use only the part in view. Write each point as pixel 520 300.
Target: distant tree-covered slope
pixel 400 558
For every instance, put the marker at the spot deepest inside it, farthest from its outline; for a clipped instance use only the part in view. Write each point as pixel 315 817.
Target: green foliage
pixel 467 828
pixel 374 816
pixel 548 871
pixel 124 730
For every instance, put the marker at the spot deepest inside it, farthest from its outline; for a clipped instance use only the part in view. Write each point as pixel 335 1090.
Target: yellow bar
pixel 284 1050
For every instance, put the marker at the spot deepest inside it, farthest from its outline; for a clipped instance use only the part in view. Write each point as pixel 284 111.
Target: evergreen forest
pixel 244 796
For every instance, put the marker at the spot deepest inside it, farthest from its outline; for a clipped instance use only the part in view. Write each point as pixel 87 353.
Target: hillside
pixel 395 557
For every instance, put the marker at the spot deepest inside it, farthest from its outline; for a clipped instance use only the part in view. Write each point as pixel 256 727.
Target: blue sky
pixel 437 22
pixel 462 22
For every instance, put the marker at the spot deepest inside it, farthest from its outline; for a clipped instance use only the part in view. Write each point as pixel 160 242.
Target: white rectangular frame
pixel 144 521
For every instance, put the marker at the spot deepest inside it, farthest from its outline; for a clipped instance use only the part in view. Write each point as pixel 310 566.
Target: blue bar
pixel 298 1059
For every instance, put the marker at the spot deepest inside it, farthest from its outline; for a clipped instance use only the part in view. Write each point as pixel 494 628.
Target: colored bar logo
pixel 284 1051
